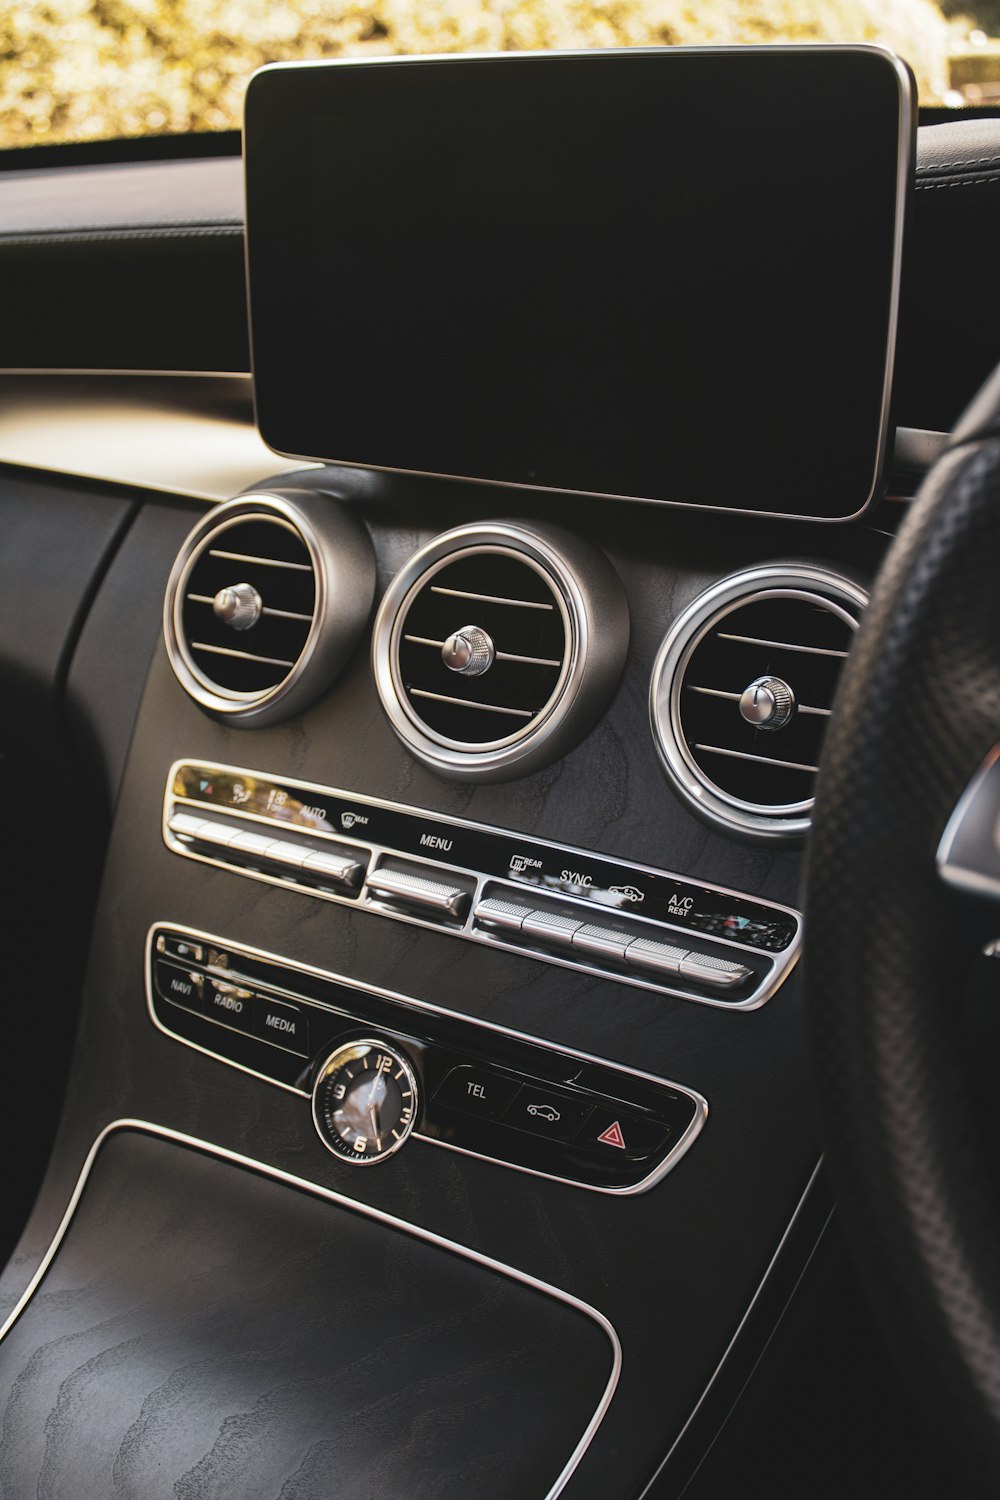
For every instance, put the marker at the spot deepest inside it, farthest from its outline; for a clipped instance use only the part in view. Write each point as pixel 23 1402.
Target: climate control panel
pixel 627 922
pixel 380 1069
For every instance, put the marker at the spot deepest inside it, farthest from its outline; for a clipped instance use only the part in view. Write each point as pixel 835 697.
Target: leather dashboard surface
pixel 140 267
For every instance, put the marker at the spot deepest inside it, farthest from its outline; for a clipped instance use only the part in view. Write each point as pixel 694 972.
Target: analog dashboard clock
pixel 365 1101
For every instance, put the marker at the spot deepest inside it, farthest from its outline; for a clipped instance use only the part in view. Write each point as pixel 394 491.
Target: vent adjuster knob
pixel 240 606
pixel 469 651
pixel 768 703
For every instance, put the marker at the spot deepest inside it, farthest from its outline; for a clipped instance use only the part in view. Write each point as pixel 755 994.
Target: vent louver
pixel 502 596
pixel 267 559
pixel 492 639
pixel 743 689
pixel 265 600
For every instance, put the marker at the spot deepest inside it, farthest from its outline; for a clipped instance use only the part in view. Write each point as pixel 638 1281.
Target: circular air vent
pixel 265 601
pixel 497 646
pixel 742 691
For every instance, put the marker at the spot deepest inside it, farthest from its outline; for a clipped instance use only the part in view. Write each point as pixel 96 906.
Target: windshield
pixel 79 70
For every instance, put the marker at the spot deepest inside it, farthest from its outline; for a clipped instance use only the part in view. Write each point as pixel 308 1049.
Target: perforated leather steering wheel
pixel 889 940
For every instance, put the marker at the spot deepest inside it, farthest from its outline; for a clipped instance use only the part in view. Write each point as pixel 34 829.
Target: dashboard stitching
pixel 74 236
pixel 980 180
pixel 957 166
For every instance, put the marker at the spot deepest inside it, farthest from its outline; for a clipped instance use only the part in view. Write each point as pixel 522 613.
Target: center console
pixel 573 999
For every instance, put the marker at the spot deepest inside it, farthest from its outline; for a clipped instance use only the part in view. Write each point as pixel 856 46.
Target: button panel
pixel 611 946
pixel 634 925
pixel 247 848
pixel 509 1099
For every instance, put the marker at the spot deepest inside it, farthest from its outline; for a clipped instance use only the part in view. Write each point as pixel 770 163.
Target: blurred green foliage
pixel 85 69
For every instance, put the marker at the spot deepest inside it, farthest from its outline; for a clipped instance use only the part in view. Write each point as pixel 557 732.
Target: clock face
pixel 365 1102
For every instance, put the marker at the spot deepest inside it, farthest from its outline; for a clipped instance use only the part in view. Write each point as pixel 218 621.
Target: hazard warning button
pixel 627 1134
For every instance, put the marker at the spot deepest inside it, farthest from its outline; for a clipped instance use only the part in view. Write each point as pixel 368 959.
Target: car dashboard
pixel 411 1081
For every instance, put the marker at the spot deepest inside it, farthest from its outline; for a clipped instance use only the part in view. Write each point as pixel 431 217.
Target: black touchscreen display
pixel 664 275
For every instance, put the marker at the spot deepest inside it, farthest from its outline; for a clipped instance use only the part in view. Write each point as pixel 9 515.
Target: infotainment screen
pixel 663 275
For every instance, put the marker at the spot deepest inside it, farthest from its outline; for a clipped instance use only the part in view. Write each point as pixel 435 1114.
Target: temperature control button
pixel 365 1102
pixel 209 830
pixel 292 856
pixel 187 825
pixel 250 843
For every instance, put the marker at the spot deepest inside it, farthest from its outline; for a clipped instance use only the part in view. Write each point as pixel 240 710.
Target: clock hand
pixel 373 1112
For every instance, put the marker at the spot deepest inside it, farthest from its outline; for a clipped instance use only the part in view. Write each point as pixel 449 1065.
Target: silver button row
pixel 590 938
pixel 342 869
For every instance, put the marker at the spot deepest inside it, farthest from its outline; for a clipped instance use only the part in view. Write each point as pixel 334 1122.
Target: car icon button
pixel 545 1111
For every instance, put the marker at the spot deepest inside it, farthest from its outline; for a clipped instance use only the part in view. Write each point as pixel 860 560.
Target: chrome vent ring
pixel 742 690
pixel 496 645
pixel 265 600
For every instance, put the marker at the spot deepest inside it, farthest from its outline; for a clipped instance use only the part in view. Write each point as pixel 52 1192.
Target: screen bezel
pixel 906 153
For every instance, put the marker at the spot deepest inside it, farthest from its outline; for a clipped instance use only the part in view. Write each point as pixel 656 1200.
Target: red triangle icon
pixel 613 1136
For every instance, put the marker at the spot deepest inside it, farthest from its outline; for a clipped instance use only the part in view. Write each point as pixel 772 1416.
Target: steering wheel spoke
pixel 968 856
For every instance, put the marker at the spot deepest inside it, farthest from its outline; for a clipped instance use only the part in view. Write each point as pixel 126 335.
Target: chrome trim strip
pixel 89 370
pixel 741 1325
pixel 167 435
pixel 790 579
pixel 379 1216
pixel 905 163
pixel 782 963
pixel 683 1144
